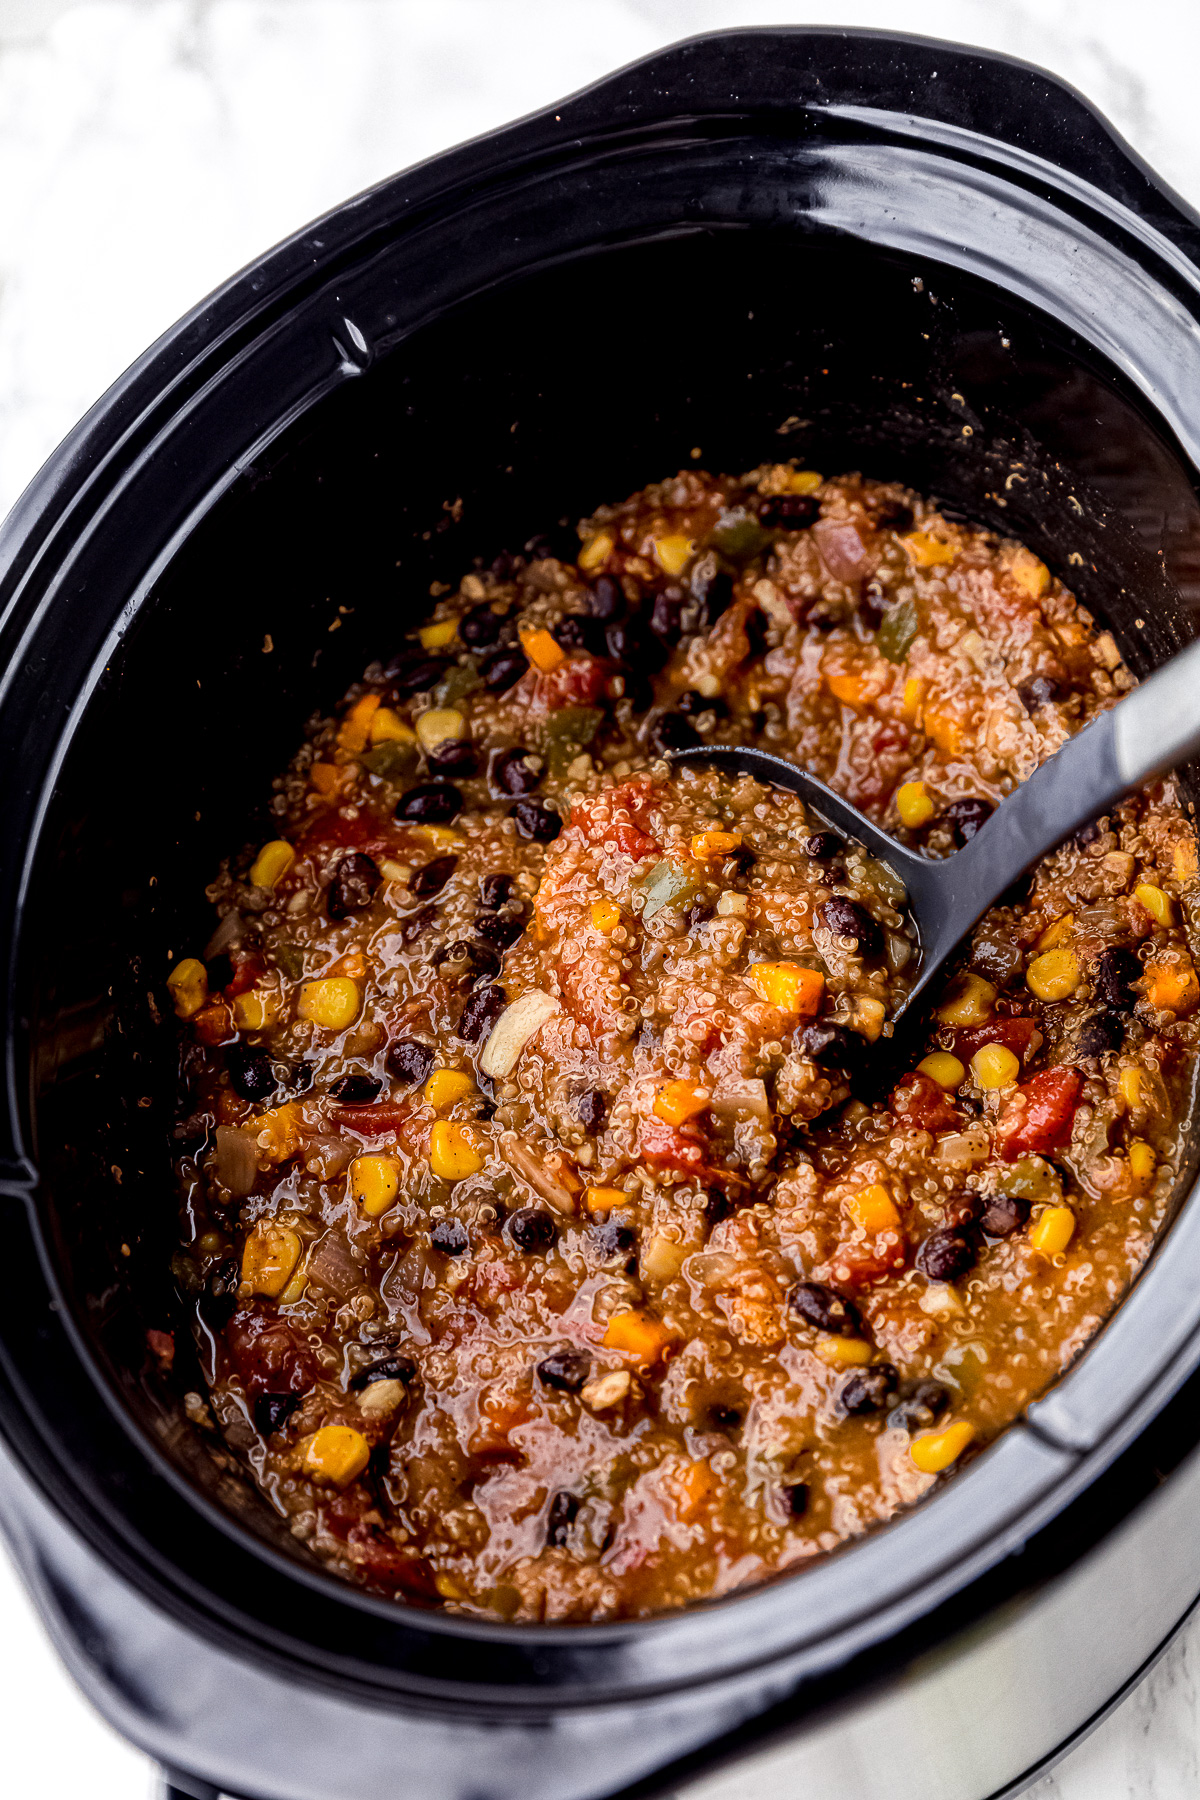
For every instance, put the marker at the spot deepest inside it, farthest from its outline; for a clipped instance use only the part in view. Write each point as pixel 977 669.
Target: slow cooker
pixel 874 252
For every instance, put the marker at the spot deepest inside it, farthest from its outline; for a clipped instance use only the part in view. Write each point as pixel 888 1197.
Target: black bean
pixel 893 515
pixel 1004 1214
pixel 822 845
pixel 450 1237
pixel 825 1308
pixel 415 925
pixel 666 616
pixel 272 1412
pixel 725 1418
pixel 717 1207
pixel 388 1368
pixel 480 1013
pixel 532 1229
pixel 499 929
pixel 354 885
pixel 565 1369
pixel 591 1109
pixel 796 1495
pixel 962 1208
pixel 847 919
pixel 716 598
pixel 480 627
pixel 691 704
pixel 1087 834
pixel 743 859
pixel 631 644
pixel 560 1518
pixel 433 877
pixel 408 1060
pixel 873 603
pixel 606 600
pixel 1101 1031
pixel 503 670
pixel 832 1045
pixel 539 823
pixel 927 1402
pixel 453 756
pixel 433 803
pixel 999 959
pixel 457 958
pixel 415 675
pixel 671 731
pixel 613 1239
pixel 966 817
pixel 494 891
pixel 1115 973
pixel 789 512
pixel 697 914
pixel 220 1290
pixel 219 970
pixel 356 1090
pixel 578 633
pixel 1037 693
pixel 250 1072
pixel 512 772
pixel 948 1255
pixel 870 1390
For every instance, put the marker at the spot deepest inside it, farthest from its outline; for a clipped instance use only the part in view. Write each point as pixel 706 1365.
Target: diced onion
pixel 514 1028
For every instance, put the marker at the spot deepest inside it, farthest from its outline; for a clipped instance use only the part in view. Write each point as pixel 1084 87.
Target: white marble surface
pixel 149 147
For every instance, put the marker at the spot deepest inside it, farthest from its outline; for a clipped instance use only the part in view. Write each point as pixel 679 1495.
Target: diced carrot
pixel 678 1101
pixel 927 551
pixel 1172 986
pixel 789 986
pixel 945 730
pixel 355 728
pixel 637 1335
pixel 874 1209
pixel 327 778
pixel 543 650
pixel 690 1486
pixel 851 690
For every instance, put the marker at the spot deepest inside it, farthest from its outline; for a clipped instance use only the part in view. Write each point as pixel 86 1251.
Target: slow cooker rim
pixel 248 287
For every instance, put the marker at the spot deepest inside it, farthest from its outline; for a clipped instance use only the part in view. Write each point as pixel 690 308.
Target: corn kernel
pixel 269 1255
pixel 969 1002
pixel 943 1068
pixel 844 1352
pixel 543 650
pixel 995 1066
pixel 1057 932
pixel 714 843
pixel 278 1131
pixel 335 1454
pixel 1141 1161
pixel 375 1183
pixel 914 694
pixel 295 1288
pixel 187 985
pixel 602 1199
pixel 789 986
pixel 257 1009
pixel 934 1451
pixel 440 725
pixel 445 1086
pixel 1160 906
pixel 595 551
pixel 804 481
pixel 332 1004
pixel 436 637
pixel 673 552
pixel 1053 975
pixel 1133 1087
pixel 913 804
pixel 272 863
pixel 452 1152
pixel 437 837
pixel 678 1101
pixel 1053 1230
pixel 927 551
pixel 1029 574
pixel 873 1209
pixel 638 1335
pixel 606 916
pixel 387 727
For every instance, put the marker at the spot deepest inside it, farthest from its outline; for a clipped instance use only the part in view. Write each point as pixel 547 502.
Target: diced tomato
pixel 842 549
pixel 1039 1115
pixel 161 1344
pixel 499 1414
pixel 213 1024
pixel 677 1147
pixel 372 1120
pixel 580 681
pixel 268 1357
pixel 921 1104
pixel 247 968
pixel 1022 1036
pixel 382 1559
pixel 858 1265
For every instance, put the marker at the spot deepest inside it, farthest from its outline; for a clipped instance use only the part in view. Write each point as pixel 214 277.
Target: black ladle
pixel 1154 728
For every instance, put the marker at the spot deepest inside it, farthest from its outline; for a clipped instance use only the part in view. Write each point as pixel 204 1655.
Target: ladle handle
pixel 1155 728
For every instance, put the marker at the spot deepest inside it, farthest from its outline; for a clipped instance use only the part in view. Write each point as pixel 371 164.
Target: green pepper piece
pixel 289 960
pixel 739 537
pixel 666 885
pixel 568 732
pixel 1031 1178
pixel 897 630
pixel 456 682
pixel 391 760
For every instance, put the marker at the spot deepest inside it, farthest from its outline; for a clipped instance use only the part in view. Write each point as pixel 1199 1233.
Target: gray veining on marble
pixel 149 147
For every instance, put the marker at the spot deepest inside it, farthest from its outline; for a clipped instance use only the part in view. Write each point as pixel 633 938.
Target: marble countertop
pixel 148 148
